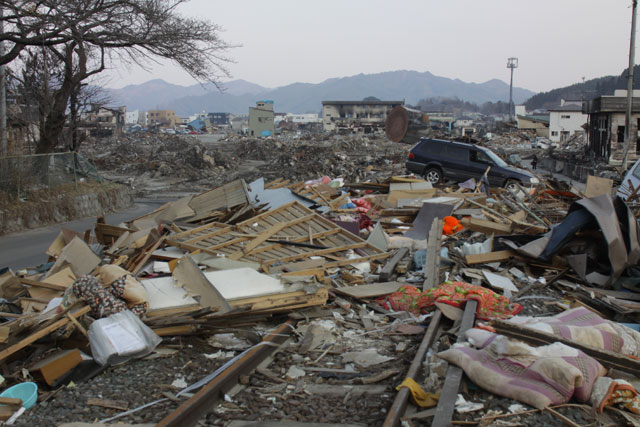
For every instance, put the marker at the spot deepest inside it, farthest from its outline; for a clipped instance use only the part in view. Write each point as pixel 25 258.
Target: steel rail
pixel 202 402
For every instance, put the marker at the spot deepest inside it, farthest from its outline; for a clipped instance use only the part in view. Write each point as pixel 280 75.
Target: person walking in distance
pixel 534 162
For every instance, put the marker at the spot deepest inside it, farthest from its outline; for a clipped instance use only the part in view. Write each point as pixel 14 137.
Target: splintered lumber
pixel 41 333
pixel 390 266
pixel 432 263
pixel 607 358
pixel 489 257
pixel 446 404
pixel 487 227
pixel 400 402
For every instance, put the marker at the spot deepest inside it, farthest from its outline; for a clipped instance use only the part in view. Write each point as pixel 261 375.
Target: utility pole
pixel 3 95
pixel 627 120
pixel 511 64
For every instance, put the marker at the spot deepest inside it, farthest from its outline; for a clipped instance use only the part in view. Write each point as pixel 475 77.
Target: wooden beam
pixel 489 257
pixel 432 263
pixel 483 226
pixel 446 404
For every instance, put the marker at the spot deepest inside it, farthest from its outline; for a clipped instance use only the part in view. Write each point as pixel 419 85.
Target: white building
pixel 132 117
pixel 566 120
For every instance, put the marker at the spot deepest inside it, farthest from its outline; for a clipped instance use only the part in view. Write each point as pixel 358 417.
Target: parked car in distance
pixel 632 175
pixel 437 159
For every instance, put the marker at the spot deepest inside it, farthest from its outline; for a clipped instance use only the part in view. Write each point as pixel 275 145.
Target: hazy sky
pixel 285 41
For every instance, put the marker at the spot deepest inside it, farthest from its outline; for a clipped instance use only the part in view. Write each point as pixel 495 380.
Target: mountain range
pixel 238 95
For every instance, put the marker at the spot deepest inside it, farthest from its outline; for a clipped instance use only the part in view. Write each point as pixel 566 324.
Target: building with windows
pixel 606 126
pixel 566 120
pixel 161 118
pixel 219 119
pixel 356 115
pixel 261 119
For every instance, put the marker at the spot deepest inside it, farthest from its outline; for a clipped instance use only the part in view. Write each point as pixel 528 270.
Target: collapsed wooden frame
pixel 288 233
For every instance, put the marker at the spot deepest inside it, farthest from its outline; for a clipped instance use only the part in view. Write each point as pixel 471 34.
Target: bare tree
pixel 86 36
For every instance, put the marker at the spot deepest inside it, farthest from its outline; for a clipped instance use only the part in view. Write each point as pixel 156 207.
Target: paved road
pixel 27 248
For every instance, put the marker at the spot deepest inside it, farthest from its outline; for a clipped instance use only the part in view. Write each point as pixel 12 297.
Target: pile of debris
pixel 156 154
pixel 190 165
pixel 337 302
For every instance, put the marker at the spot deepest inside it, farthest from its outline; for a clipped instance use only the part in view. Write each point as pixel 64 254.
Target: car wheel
pixel 433 175
pixel 511 185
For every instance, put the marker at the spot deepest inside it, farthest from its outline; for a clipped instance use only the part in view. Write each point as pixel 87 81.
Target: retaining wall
pixel 64 207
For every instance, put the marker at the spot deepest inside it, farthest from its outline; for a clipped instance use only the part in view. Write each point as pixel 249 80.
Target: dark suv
pixel 435 159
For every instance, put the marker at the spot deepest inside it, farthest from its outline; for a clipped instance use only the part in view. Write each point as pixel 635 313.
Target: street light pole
pixel 511 64
pixel 627 120
pixel 3 95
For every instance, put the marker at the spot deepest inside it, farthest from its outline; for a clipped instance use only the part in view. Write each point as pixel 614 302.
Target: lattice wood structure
pixel 290 232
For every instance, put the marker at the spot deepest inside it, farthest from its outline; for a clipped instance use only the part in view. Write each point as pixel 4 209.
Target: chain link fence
pixel 21 174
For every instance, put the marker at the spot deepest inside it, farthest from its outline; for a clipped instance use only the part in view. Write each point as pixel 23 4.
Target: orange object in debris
pixel 450 225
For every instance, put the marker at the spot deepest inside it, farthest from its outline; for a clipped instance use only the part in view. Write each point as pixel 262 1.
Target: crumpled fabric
pixel 418 396
pixel 104 301
pixel 538 376
pixel 615 392
pixel 490 304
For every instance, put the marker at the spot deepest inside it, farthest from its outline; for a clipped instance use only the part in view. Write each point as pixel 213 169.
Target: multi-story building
pixel 566 120
pixel 261 119
pixel 356 115
pixel 606 126
pixel 161 118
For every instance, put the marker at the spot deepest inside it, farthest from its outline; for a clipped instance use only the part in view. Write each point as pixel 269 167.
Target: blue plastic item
pixel 28 392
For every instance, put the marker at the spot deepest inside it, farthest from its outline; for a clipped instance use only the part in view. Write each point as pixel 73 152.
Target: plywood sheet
pixel 163 293
pixel 244 283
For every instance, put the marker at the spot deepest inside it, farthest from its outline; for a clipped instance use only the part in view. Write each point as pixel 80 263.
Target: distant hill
pixel 588 90
pixel 410 86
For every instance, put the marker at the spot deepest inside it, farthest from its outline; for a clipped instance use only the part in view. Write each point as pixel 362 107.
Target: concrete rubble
pixel 306 282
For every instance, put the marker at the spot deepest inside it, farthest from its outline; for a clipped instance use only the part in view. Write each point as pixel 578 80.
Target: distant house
pixel 539 123
pixel 356 115
pixel 161 118
pixel 103 121
pixel 566 120
pixel 261 119
pixel 219 119
pixel 606 126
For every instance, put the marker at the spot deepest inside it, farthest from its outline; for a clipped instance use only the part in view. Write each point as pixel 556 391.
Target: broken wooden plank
pixel 387 270
pixel 432 264
pixel 489 257
pixel 108 403
pixel 487 227
pixel 446 404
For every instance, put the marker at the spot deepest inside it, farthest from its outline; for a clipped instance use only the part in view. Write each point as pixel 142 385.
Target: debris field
pixel 309 283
